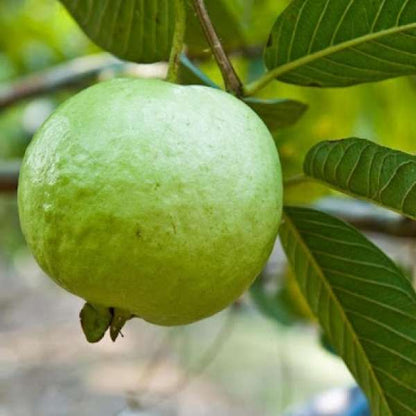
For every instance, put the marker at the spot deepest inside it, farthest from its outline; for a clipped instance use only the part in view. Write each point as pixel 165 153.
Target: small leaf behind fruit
pixel 367 170
pixel 135 30
pixel 365 305
pixel 285 304
pixel 337 43
pixel 277 113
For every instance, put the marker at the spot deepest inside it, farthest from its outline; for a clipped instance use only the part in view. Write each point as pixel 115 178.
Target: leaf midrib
pixel 283 69
pixel 337 302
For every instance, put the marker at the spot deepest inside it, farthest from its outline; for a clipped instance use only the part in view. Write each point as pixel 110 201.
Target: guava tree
pixel 365 305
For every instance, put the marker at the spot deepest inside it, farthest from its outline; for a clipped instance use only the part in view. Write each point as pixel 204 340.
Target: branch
pixel 366 217
pixel 64 75
pixel 9 174
pixel 401 227
pixel 232 82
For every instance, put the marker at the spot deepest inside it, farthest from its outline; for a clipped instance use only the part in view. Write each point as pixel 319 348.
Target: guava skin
pixel 159 199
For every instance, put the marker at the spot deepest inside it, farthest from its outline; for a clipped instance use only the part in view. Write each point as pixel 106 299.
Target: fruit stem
pixel 178 40
pixel 232 82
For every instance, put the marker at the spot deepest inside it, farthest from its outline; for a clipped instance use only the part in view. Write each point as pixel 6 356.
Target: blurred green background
pixel 261 357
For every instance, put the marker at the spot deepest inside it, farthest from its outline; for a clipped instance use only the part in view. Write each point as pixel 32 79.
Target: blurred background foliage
pixel 36 35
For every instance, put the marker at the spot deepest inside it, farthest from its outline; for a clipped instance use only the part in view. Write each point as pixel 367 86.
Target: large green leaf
pixel 135 30
pixel 336 43
pixel 364 169
pixel 365 305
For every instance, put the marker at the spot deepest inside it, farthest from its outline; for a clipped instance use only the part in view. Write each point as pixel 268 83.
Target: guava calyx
pixel 95 320
pixel 120 317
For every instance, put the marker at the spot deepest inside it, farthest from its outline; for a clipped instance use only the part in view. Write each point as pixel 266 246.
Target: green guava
pixel 151 199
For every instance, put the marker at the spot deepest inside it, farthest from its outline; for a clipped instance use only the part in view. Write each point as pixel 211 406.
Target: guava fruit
pixel 152 200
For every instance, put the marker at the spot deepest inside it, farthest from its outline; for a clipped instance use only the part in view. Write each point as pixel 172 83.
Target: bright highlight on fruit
pixel 151 200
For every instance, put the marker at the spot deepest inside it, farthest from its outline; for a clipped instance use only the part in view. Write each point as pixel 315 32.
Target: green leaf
pixel 277 113
pixel 337 43
pixel 135 30
pixel 365 305
pixel 366 170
